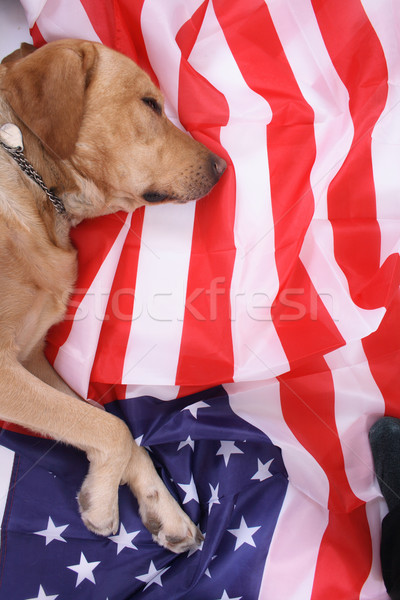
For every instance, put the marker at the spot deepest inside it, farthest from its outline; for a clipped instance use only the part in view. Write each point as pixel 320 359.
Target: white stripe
pixel 162 20
pixel 374 588
pixel 292 557
pixel 259 403
pixel 384 18
pixel 65 19
pixel 290 566
pixel 258 352
pixel 358 404
pixel 75 357
pixel 6 467
pixel 317 255
pixel 161 392
pixel 154 343
pixel 322 88
pixel 32 8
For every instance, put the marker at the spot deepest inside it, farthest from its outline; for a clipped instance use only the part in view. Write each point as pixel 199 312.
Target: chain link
pixel 19 157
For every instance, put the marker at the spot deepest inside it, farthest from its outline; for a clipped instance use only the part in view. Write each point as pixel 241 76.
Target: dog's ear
pixel 22 51
pixel 46 90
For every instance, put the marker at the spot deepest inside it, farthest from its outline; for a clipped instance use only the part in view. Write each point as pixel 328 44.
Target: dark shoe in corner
pixel 384 438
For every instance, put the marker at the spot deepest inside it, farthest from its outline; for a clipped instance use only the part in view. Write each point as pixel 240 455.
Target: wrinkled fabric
pixel 281 286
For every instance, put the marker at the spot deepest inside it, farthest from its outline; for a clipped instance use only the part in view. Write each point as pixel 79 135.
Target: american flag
pixel 250 339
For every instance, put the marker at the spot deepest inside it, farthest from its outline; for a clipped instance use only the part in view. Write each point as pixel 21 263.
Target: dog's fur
pixel 93 126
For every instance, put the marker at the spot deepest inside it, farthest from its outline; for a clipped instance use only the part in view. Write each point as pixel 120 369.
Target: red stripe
pixel 382 349
pixel 357 55
pixel 18 429
pixel 103 393
pixel 129 37
pixel 92 249
pixel 111 348
pixel 301 320
pixel 190 390
pixel 187 35
pixel 37 38
pixel 206 354
pixel 344 560
pixel 308 407
pixel 101 16
pixel 117 24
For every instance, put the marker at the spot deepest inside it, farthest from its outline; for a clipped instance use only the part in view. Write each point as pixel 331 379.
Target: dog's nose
pixel 218 165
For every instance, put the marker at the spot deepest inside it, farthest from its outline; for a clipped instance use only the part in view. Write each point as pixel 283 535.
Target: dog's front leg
pixel 28 401
pixel 38 365
pixel 113 455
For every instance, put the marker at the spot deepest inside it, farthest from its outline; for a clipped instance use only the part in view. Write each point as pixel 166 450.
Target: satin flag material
pixel 273 302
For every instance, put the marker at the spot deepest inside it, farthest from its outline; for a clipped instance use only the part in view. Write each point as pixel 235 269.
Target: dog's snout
pixel 218 165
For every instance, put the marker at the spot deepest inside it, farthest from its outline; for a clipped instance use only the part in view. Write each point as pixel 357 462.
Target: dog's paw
pixel 99 517
pixel 169 525
pixel 189 540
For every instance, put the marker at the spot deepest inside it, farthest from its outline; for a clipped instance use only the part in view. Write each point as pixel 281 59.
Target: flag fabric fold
pixel 232 488
pixel 250 339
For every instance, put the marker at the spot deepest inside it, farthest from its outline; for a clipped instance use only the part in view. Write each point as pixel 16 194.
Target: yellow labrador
pixel 95 140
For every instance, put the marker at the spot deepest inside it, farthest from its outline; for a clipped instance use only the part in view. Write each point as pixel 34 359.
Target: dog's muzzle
pixel 213 170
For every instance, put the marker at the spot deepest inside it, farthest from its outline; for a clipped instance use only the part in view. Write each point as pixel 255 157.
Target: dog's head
pixel 96 111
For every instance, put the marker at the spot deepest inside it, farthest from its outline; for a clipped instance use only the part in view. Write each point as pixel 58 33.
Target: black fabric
pixel 390 553
pixel 384 438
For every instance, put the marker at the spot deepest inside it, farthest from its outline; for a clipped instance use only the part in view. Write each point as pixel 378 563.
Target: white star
pixel 153 576
pixel 52 532
pixel 84 570
pixel 139 440
pixel 187 442
pixel 214 497
pixel 226 597
pixel 193 408
pixel 42 596
pixel 190 491
pixel 244 534
pixel 228 448
pixel 124 539
pixel 263 470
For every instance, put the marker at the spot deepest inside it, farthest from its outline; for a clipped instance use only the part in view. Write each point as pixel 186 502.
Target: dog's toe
pixel 104 528
pixel 190 540
pixel 169 525
pixel 98 518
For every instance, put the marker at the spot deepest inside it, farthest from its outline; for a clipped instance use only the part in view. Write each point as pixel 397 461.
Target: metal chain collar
pixel 19 157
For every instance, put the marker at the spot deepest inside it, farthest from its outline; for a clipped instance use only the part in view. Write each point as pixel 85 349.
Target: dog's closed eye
pixel 153 104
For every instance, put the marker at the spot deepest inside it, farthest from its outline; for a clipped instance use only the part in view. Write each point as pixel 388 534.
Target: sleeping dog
pixel 83 133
